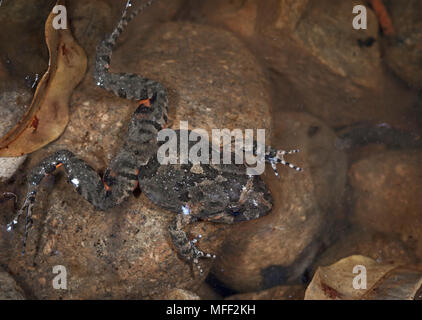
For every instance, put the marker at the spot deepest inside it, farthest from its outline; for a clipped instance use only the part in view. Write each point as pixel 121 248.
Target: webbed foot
pixel 196 254
pixel 274 156
pixel 186 248
pixel 27 209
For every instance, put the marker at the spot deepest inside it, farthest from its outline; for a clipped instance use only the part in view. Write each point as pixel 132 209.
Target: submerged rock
pixel 294 292
pixel 278 248
pixel 386 192
pixel 179 294
pixel 383 248
pixel 27 53
pixel 403 51
pixel 13 103
pixel 317 61
pixel 9 290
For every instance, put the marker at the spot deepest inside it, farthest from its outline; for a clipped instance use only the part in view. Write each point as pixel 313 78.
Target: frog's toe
pixel 197 254
pixel 277 156
pixel 202 255
pixel 27 209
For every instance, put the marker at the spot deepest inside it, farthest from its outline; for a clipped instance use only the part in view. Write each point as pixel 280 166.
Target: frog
pixel 212 192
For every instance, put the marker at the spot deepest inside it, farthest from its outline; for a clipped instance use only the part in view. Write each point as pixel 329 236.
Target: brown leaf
pixel 384 282
pixel 48 114
pixel 401 283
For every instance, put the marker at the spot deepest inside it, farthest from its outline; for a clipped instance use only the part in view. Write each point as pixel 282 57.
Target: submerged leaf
pixel 48 114
pixel 382 282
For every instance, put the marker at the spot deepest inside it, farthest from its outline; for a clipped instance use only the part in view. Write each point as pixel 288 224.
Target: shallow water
pixel 316 84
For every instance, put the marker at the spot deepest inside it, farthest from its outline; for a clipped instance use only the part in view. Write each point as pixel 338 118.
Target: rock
pixel 386 191
pixel 206 292
pixel 179 294
pixel 296 292
pixel 278 248
pixel 93 20
pixel 236 75
pixel 316 60
pixel 403 52
pixel 9 290
pixel 3 70
pixel 27 28
pixel 237 16
pixel 13 104
pixel 325 25
pixel 383 248
pixel 8 167
pixel 126 253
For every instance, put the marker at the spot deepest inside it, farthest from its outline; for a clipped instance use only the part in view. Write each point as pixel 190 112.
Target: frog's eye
pixel 184 196
pixel 234 211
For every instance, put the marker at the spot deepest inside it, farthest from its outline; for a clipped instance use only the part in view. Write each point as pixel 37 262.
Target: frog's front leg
pixel 119 180
pixel 274 156
pixel 185 247
pixel 271 155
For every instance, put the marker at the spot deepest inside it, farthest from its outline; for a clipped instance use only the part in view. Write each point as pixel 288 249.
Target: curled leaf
pixel 381 282
pixel 48 114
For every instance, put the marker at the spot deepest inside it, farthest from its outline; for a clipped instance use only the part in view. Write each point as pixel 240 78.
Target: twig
pixel 383 17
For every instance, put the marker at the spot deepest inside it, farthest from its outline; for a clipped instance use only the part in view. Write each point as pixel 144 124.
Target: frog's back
pixel 205 190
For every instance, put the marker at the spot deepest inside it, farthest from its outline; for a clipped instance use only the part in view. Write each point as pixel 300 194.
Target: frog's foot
pixel 27 209
pixel 196 254
pixel 274 156
pixel 186 248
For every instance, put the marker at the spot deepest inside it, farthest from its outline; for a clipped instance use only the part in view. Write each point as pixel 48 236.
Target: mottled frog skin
pixel 217 193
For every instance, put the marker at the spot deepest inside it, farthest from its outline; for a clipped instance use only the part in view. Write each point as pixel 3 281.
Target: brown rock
pixel 92 20
pixel 318 64
pixel 277 248
pixel 383 248
pixel 206 292
pixel 386 189
pixel 27 54
pixel 317 61
pixel 403 52
pixel 214 82
pixel 179 294
pixel 13 104
pixel 324 25
pixel 213 68
pixel 3 71
pixel 238 16
pixel 9 290
pixel 296 292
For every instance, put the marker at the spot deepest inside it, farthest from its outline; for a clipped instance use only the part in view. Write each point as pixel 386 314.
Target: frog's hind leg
pixel 274 156
pixel 102 194
pixel 185 247
pixel 123 85
pixel 27 209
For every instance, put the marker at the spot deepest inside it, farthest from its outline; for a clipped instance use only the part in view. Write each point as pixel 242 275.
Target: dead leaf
pixel 48 114
pixel 383 282
pixel 401 283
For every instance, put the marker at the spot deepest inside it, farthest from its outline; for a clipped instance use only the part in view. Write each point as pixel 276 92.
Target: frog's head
pixel 255 201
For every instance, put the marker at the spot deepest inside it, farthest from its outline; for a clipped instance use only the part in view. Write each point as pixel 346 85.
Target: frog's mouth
pixel 221 217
